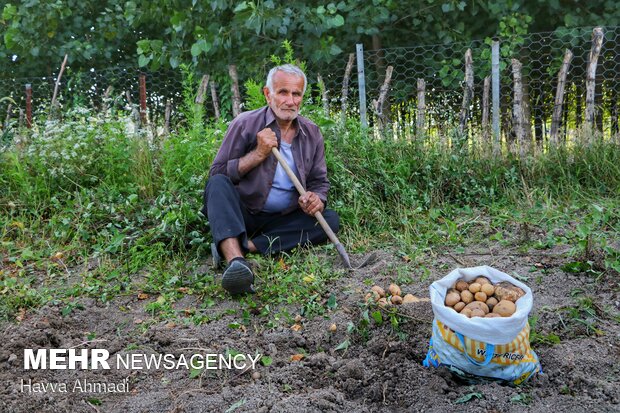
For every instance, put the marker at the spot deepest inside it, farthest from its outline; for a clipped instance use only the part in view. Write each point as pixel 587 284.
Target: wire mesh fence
pixel 425 92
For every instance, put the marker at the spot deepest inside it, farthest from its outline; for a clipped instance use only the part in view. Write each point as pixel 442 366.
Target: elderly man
pixel 251 203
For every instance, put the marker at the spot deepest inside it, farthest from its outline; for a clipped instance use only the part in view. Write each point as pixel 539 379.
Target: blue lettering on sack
pixel 507 356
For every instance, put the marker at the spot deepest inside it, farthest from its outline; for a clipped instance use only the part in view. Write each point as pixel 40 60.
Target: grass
pixel 88 209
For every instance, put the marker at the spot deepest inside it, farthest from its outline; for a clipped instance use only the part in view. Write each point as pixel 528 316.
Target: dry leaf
pixel 183 290
pixel 296 327
pixel 143 296
pixel 297 357
pixel 21 314
pixel 282 265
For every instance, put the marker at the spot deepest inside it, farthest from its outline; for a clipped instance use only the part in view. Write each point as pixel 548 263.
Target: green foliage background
pixel 36 34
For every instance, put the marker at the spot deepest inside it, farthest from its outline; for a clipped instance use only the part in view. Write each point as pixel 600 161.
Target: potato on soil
pixel 467 297
pixel 396 299
pixel 461 285
pixel 459 306
pixel 410 298
pixel 452 298
pixel 505 308
pixel 372 297
pixel 474 287
pixel 480 296
pixel 394 289
pixel 478 304
pixel 378 290
pixel 507 291
pixel 382 302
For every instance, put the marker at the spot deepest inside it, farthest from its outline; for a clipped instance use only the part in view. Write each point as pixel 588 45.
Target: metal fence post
pixel 495 90
pixel 361 80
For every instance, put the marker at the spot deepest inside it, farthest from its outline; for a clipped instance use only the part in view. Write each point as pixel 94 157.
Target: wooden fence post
pixel 202 89
pixel 378 103
pixel 236 101
pixel 517 106
pixel 361 81
pixel 105 98
pixel 62 69
pixel 8 116
pixel 597 43
pixel 495 95
pixel 345 88
pixel 559 99
pixel 143 119
pixel 486 89
pixel 421 113
pixel 28 105
pixel 468 90
pixel 324 97
pixel 216 101
pixel 167 117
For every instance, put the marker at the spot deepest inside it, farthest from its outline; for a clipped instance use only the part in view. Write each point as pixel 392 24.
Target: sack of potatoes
pixel 480 325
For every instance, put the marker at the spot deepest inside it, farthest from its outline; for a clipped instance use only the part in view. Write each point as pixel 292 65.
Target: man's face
pixel 287 95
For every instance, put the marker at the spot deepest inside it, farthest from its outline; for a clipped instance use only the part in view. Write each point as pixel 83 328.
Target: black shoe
pixel 238 278
pixel 216 259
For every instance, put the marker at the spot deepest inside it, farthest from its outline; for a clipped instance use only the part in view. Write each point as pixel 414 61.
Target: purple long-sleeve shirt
pixel 308 152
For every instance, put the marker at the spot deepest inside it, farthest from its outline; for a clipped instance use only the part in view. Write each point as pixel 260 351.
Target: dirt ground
pixel 383 373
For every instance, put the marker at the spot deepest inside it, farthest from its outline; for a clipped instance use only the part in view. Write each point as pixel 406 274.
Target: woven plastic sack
pixel 491 348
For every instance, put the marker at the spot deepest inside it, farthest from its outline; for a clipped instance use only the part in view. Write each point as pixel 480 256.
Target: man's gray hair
pixel 288 68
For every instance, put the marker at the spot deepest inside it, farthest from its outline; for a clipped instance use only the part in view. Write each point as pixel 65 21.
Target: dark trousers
pixel 270 233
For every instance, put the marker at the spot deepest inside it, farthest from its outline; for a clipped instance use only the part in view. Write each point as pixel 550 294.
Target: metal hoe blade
pixel 347 262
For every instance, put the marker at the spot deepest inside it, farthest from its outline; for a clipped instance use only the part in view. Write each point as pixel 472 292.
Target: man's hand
pixel 310 203
pixel 266 139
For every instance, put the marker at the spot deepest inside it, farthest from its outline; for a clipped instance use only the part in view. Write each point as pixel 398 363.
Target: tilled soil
pixel 380 372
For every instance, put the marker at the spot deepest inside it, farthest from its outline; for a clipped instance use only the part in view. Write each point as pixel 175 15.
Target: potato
pixel 474 287
pixel 333 327
pixel 382 302
pixel 480 296
pixel 371 297
pixel 492 302
pixel 378 290
pixel 466 312
pixel 482 280
pixel 459 306
pixel 394 289
pixel 488 289
pixel 467 297
pixel 492 315
pixel 397 299
pixel 505 308
pixel 507 291
pixel 477 313
pixel 452 298
pixel 461 285
pixel 478 304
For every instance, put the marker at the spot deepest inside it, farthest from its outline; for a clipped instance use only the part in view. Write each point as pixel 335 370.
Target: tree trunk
pixel 468 91
pixel 236 98
pixel 216 101
pixel 559 98
pixel 614 112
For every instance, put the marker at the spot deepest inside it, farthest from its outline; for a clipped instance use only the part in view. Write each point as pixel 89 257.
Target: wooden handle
pixel 319 217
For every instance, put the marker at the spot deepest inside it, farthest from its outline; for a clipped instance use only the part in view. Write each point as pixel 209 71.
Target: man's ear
pixel 266 93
